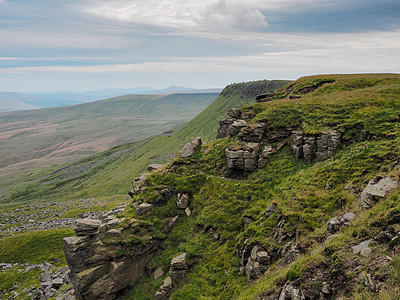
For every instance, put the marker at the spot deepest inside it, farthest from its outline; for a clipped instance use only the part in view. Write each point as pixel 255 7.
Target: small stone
pixel 143 208
pixel 154 167
pixel 366 252
pixel 179 262
pixel 326 289
pixel 188 211
pixel 158 273
pixel 183 201
pixel 361 246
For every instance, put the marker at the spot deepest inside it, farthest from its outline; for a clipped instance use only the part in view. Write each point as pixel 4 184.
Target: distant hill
pixel 46 136
pixel 17 101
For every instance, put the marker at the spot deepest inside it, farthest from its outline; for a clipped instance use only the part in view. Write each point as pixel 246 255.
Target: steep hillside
pixel 111 172
pixel 47 136
pixel 299 200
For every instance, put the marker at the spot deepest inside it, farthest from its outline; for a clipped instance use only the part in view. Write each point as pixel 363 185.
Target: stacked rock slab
pixel 316 147
pixel 97 272
pixel 268 96
pixel 243 158
pixel 177 271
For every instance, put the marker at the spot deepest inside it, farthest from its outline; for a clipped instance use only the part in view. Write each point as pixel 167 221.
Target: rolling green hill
pixel 111 172
pixel 43 137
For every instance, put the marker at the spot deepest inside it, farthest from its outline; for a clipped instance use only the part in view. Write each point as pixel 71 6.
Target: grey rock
pixel 253 133
pixel 164 290
pixel 347 218
pixel 363 246
pixel 273 207
pixel 154 167
pixel 376 190
pixel 268 96
pixel 243 158
pixel 183 200
pixel 144 208
pixel 333 225
pixel 158 273
pixel 289 292
pixel 172 222
pixel 235 113
pixel 191 147
pixel 87 226
pixel 179 262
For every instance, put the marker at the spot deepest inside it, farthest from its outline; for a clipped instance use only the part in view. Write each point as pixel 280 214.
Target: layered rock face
pixel 97 269
pixel 310 147
pixel 316 147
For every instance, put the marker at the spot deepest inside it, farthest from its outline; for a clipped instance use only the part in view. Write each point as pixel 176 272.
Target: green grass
pixel 34 247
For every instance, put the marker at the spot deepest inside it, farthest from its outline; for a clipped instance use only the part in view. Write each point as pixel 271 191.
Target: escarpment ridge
pixel 296 199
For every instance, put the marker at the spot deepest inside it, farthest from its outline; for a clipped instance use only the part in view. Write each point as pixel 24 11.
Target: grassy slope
pixel 351 103
pixel 48 136
pixel 115 176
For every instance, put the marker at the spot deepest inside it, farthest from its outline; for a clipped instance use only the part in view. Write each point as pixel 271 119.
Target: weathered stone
pixel 244 158
pixel 164 290
pixel 289 258
pixel 257 263
pixel 347 218
pixel 273 207
pixel 144 208
pixel 223 130
pixel 158 273
pixel 376 190
pixel 188 212
pixel 138 185
pixel 57 283
pixel 333 225
pixel 154 167
pixel 268 96
pixel 87 226
pixel 81 256
pixel 191 147
pixel 361 246
pixel 114 232
pixel 253 133
pixel 183 200
pixel 235 113
pixel 179 262
pixel 289 292
pixel 46 276
pixel 171 223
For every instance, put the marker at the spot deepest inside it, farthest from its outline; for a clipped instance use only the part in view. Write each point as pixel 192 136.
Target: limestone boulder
pixel 376 190
pixel 191 147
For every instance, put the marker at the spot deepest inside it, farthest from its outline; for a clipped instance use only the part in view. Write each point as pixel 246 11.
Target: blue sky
pixel 80 45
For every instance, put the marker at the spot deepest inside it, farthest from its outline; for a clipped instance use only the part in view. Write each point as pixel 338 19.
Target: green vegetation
pixel 307 197
pixel 45 137
pixel 228 210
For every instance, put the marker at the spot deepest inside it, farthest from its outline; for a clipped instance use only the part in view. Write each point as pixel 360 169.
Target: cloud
pixel 312 53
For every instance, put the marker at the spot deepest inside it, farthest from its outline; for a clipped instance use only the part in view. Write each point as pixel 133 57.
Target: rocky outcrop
pixel 336 223
pixel 257 263
pixel 98 270
pixel 138 185
pixel 191 147
pixel 316 147
pixel 377 189
pixel 177 271
pixel 243 158
pixel 253 133
pixel 289 292
pixel 268 96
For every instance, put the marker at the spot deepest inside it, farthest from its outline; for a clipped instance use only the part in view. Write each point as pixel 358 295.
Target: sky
pixel 80 45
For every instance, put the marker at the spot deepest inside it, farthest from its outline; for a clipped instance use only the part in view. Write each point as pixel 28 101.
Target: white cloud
pixel 189 15
pixel 306 54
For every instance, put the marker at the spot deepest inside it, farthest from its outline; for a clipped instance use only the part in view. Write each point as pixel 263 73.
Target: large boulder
pixel 191 147
pixel 376 190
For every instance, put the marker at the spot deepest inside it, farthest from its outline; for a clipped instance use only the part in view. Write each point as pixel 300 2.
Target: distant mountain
pixel 52 135
pixel 10 101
